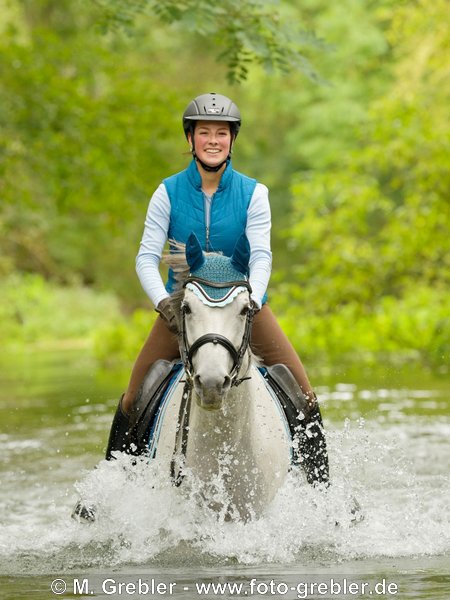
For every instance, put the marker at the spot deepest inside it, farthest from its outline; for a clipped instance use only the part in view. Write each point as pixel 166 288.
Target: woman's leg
pixel 160 344
pixel 271 344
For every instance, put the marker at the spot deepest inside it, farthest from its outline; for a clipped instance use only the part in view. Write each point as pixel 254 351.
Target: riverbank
pixel 38 314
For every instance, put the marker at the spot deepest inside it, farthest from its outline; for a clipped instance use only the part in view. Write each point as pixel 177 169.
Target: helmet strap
pixel 208 167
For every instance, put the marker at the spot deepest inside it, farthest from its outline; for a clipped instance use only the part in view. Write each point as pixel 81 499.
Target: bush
pixel 35 311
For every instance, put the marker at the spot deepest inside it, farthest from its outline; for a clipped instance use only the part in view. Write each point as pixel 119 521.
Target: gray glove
pixel 167 313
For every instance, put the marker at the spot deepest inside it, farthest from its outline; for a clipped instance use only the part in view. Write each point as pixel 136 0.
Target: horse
pixel 220 424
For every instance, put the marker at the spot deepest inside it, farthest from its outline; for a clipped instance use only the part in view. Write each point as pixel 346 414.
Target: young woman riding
pixel 218 204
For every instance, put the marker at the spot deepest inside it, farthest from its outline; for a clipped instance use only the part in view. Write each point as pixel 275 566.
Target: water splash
pixel 143 519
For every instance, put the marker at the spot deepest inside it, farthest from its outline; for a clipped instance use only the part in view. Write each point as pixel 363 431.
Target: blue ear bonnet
pixel 217 269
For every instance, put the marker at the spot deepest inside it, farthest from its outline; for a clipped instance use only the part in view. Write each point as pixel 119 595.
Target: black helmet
pixel 213 107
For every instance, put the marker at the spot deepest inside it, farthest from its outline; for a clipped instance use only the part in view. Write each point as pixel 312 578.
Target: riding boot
pixel 312 445
pixel 118 441
pixel 119 437
pixel 305 422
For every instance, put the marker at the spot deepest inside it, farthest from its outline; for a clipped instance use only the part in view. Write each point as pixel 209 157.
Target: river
pixel 388 435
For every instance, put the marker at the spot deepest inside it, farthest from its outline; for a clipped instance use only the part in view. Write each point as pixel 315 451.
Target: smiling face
pixel 212 141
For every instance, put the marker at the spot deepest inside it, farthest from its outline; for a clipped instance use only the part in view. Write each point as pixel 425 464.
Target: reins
pixel 187 354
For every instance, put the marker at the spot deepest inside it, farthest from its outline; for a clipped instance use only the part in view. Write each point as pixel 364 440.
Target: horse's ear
pixel 241 255
pixel 194 253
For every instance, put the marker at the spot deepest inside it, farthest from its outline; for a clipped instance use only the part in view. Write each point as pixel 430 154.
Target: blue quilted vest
pixel 229 207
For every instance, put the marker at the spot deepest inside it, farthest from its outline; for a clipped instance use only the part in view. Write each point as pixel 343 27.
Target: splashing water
pixel 143 518
pixel 396 464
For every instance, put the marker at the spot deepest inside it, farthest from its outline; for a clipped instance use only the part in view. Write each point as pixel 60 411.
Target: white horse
pixel 214 425
pixel 220 428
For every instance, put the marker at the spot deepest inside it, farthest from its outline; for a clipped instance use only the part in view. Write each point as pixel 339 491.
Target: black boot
pixel 119 440
pixel 312 445
pixel 305 423
pixel 119 437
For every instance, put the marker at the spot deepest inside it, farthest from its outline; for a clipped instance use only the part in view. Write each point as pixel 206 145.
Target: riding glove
pixel 165 310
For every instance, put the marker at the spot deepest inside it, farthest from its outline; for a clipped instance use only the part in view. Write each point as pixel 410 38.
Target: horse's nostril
pixel 213 384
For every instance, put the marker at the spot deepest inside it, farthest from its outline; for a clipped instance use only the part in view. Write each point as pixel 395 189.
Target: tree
pixel 240 31
pixel 90 122
pixel 371 237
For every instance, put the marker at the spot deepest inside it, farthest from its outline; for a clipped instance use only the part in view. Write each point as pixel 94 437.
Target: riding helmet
pixel 213 107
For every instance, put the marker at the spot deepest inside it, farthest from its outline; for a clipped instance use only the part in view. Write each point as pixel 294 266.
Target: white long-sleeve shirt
pixel 155 236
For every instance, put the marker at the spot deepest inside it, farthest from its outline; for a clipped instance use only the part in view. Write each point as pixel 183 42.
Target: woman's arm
pixel 152 244
pixel 258 234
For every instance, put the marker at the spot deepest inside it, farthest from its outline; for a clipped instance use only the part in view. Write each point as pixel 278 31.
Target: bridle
pixel 237 354
pixel 187 353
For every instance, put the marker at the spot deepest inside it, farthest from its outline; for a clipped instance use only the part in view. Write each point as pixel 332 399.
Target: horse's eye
pixel 245 310
pixel 186 308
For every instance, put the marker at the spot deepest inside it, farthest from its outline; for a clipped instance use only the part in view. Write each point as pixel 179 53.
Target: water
pixel 388 442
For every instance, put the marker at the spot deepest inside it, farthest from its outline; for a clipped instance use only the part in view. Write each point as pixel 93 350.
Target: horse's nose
pixel 213 384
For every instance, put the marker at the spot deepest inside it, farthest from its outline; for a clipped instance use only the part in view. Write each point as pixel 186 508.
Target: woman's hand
pixel 166 312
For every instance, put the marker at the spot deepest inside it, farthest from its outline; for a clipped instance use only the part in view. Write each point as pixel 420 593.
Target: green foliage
pixel 36 312
pixel 243 32
pixel 296 127
pixel 371 246
pixel 118 342
pixel 77 150
pixel 357 161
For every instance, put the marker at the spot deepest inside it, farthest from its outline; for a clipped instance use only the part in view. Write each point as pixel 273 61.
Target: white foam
pixel 142 517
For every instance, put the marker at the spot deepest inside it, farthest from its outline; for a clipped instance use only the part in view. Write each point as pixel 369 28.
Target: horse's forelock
pixel 176 260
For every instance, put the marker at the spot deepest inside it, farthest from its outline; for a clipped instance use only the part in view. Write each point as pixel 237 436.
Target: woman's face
pixel 212 141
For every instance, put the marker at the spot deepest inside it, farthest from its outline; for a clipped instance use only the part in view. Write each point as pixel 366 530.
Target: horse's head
pixel 216 316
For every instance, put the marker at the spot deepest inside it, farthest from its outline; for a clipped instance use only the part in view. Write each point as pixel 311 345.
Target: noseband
pixel 237 354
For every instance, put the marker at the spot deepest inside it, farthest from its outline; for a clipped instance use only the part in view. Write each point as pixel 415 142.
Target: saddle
pixel 304 421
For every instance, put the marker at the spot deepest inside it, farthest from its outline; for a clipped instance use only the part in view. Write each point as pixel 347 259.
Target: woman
pixel 218 204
